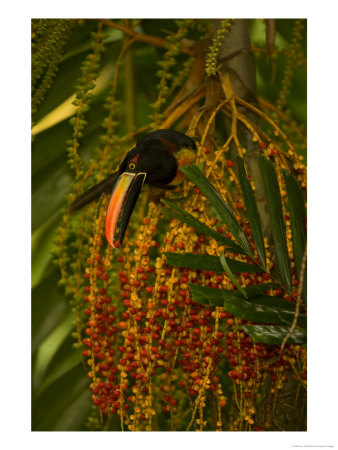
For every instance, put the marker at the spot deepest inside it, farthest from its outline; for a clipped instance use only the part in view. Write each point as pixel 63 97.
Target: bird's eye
pixel 131 166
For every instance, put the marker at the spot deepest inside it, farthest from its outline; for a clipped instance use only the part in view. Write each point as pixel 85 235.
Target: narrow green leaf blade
pixel 259 309
pixel 269 300
pixel 231 276
pixel 67 364
pixel 210 296
pixel 274 334
pixel 255 312
pixel 276 219
pixel 49 306
pixel 200 227
pixel 223 210
pixel 258 289
pixel 64 405
pixel 216 297
pixel 251 210
pixel 208 262
pixel 298 221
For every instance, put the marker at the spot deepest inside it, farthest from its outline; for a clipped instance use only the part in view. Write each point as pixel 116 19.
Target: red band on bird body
pixel 168 145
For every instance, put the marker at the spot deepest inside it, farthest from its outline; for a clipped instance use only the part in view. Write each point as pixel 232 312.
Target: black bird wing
pixel 178 139
pixel 94 192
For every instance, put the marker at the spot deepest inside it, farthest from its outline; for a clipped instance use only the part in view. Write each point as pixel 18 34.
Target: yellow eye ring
pixel 132 166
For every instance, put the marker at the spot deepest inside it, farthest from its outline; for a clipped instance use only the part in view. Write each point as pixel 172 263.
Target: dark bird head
pixel 155 160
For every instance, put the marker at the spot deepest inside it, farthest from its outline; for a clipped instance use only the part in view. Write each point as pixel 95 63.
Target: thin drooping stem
pixel 299 292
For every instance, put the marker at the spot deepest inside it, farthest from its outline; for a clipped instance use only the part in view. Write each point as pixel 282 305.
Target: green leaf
pixel 298 221
pixel 49 308
pixel 273 334
pixel 67 364
pixel 222 209
pixel 64 405
pixel 49 189
pixel 257 289
pixel 269 300
pixel 276 219
pixel 251 210
pixel 231 276
pixel 199 226
pixel 51 183
pixel 208 262
pixel 209 296
pixel 58 135
pixel 49 347
pixel 61 132
pixel 42 247
pixel 65 359
pixel 216 297
pixel 255 312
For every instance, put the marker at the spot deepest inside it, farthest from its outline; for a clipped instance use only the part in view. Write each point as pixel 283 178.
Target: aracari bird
pixel 155 160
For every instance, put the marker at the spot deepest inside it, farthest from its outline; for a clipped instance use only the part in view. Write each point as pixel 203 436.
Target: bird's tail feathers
pixel 94 193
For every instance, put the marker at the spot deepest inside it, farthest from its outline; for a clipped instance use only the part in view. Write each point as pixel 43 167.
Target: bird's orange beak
pixel 125 193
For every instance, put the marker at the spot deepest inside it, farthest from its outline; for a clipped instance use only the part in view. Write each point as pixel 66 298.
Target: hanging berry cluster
pixel 166 65
pixel 211 63
pixel 48 40
pixel 90 71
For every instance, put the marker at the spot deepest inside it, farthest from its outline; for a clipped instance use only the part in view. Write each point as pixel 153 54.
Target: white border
pixel 15 232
